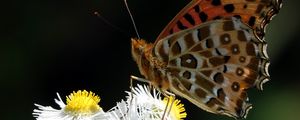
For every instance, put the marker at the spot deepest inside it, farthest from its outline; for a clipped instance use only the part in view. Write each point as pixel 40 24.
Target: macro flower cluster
pixel 141 103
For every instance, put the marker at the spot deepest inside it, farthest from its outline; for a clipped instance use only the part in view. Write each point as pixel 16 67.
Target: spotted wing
pixel 255 13
pixel 212 65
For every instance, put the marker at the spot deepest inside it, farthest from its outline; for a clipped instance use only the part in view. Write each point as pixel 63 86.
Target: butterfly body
pixel 210 62
pixel 149 66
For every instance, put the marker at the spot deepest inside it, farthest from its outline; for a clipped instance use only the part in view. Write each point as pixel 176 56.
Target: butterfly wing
pixel 255 13
pixel 213 64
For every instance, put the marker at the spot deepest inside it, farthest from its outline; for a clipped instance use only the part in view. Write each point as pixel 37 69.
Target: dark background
pixel 49 46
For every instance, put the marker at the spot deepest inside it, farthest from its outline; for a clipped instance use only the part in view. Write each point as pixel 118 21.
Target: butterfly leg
pixel 132 78
pixel 138 79
pixel 171 98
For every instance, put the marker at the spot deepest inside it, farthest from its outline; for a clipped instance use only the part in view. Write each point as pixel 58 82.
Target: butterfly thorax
pixel 150 66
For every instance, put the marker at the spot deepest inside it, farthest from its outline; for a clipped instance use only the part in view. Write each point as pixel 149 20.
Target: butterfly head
pixel 139 47
pixel 140 51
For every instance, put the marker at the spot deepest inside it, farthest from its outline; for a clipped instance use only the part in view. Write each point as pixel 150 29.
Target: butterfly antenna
pixel 132 20
pixel 109 23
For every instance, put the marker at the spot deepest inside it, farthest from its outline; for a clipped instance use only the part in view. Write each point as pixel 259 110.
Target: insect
pixel 211 53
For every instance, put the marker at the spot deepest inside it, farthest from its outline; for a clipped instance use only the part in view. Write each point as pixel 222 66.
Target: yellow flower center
pixel 82 103
pixel 177 110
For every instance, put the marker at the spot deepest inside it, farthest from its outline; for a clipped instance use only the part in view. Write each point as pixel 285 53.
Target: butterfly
pixel 211 53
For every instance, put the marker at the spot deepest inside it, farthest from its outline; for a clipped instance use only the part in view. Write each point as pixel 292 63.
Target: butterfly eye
pixel 141 49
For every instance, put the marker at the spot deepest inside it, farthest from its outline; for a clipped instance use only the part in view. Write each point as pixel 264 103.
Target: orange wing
pixel 255 13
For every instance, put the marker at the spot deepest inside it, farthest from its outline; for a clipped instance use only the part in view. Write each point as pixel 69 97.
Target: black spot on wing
pixel 245 6
pixel 216 2
pixel 181 26
pixel 251 21
pixel 197 8
pixel 203 16
pixel 225 69
pixel 235 86
pixel 189 18
pixel 226 58
pixel 188 61
pixel 218 78
pixel 209 43
pixel 186 75
pixel 229 8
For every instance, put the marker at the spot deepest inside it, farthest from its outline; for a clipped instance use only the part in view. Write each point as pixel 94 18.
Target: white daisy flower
pixel 81 105
pixel 141 104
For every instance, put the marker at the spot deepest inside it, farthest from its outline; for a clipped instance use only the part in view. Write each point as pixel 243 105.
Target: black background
pixel 49 46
